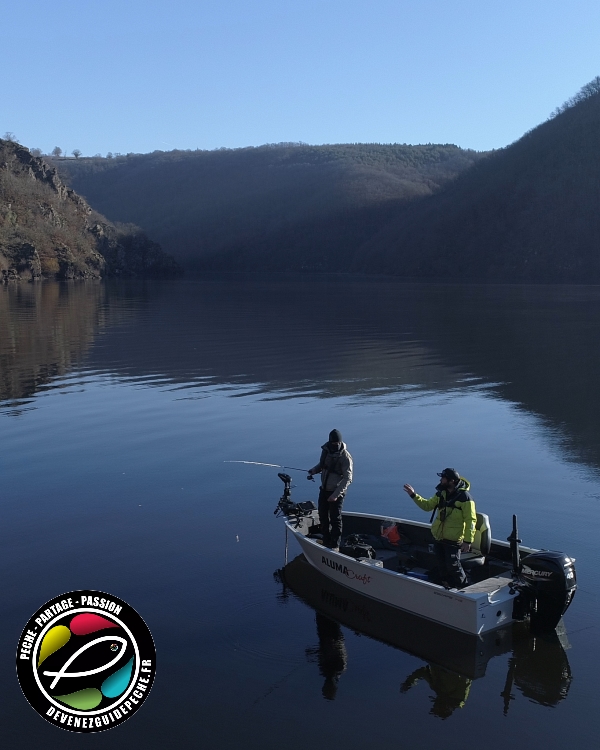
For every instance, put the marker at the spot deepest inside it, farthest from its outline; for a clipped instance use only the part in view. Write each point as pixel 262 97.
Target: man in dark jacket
pixel 454 525
pixel 335 467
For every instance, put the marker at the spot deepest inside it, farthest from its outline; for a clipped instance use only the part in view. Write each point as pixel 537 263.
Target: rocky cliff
pixel 48 231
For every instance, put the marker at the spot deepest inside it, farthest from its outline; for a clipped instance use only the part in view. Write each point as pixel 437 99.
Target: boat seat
pixel 481 546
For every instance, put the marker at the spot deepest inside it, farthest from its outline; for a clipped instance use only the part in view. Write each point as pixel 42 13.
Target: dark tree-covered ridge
pixel 282 206
pixel 529 212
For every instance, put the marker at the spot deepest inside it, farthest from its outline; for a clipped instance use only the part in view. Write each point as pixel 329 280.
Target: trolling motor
pixel 545 582
pixel 286 506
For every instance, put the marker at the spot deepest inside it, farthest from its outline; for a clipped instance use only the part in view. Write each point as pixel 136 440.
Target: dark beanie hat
pixel 335 436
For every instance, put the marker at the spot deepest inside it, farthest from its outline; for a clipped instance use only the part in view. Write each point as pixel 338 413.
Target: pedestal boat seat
pixel 481 546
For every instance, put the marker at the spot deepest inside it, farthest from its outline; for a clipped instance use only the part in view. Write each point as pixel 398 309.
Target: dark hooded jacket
pixel 335 469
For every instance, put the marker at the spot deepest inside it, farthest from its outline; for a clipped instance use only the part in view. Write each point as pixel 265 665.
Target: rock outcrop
pixel 48 231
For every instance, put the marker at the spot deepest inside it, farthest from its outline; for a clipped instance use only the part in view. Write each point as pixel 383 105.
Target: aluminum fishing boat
pixel 393 560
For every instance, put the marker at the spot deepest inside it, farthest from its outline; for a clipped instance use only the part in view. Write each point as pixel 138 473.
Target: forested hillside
pixel 529 212
pixel 285 206
pixel 48 231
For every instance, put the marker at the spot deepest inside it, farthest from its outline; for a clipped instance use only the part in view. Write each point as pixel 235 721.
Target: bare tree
pixel 56 151
pixel 9 136
pixel 586 92
pixel 76 153
pixel 35 151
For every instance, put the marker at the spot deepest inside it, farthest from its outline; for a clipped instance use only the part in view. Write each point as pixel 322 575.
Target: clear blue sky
pixel 140 75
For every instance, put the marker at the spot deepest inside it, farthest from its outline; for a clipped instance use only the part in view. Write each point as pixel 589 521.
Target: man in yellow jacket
pixel 454 526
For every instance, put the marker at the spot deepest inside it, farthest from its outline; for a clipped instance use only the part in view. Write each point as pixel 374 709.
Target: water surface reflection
pixel 534 346
pixel 120 404
pixel 538 665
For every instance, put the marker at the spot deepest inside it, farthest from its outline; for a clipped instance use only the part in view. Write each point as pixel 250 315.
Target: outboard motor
pixel 546 582
pixel 551 582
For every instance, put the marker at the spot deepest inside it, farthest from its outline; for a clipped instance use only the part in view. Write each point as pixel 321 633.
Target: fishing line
pixel 259 463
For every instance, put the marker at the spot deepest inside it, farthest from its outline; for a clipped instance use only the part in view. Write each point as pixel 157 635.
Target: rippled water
pixel 120 405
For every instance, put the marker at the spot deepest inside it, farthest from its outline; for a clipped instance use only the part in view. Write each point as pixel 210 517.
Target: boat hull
pixel 477 609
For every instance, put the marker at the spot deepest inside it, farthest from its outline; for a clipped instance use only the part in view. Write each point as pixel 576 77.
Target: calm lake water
pixel 120 406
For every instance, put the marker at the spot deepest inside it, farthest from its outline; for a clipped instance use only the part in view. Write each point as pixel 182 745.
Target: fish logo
pixel 86 661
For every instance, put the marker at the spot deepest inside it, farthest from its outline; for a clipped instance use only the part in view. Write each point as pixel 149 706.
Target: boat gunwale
pixel 425 525
pixel 469 595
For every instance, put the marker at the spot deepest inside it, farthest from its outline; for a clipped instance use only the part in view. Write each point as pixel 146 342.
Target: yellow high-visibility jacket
pixel 455 518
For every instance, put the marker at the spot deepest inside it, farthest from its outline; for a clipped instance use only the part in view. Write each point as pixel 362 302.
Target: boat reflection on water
pixel 451 689
pixel 538 666
pixel 330 654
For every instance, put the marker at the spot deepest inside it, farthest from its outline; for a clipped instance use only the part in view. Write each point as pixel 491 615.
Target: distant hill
pixel 529 212
pixel 48 231
pixel 282 207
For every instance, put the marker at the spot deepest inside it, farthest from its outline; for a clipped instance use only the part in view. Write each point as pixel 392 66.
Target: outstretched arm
pixel 421 673
pixel 422 502
pixel 318 468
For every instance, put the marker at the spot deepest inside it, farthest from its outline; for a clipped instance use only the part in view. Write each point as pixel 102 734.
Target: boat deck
pixel 414 555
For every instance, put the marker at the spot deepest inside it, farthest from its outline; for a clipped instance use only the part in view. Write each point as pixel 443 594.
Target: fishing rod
pixel 275 466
